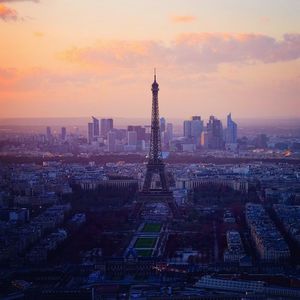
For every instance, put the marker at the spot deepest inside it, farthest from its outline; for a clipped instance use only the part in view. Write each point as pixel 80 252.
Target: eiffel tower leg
pixel 163 179
pixel 147 183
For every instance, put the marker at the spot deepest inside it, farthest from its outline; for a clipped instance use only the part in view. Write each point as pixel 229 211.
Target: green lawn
pixel 144 253
pixel 152 227
pixel 145 243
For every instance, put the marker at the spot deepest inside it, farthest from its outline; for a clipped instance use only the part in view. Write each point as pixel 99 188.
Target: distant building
pixel 111 141
pixel 261 141
pixel 132 138
pixel 187 129
pixel 90 132
pixel 188 147
pixel 204 139
pixel 140 131
pixel 96 128
pixel 196 129
pixel 63 133
pixel 162 124
pixel 231 130
pixel 103 127
pixel 167 136
pixel 214 137
pixel 192 129
pixel 170 131
pixel 110 124
pixel 106 126
pixel 48 134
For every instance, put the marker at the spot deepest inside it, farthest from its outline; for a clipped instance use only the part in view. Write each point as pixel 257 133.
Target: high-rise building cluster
pixel 134 138
pixel 212 136
pixel 192 129
pixel 103 136
pixel 95 131
pixel 50 138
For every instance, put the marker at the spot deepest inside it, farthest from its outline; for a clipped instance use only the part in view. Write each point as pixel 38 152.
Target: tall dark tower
pixel 155 163
pixel 155 166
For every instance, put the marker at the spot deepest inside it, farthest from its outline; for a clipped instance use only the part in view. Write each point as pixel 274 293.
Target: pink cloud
pixel 10 1
pixel 216 48
pixel 8 14
pixel 195 51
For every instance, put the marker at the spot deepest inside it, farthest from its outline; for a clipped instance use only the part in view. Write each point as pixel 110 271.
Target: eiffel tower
pixel 155 165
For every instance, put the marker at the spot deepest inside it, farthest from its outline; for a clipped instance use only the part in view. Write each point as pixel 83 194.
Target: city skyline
pixel 212 58
pixel 178 184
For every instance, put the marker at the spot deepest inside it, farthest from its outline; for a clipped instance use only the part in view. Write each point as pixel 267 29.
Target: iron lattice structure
pixel 155 163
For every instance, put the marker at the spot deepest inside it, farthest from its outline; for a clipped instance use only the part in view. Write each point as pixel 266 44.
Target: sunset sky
pixel 70 58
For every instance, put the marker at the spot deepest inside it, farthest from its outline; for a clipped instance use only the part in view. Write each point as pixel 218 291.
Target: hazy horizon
pixel 122 122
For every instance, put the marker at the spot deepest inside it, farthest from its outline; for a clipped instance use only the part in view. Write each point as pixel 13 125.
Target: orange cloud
pixel 8 14
pixel 183 19
pixel 117 54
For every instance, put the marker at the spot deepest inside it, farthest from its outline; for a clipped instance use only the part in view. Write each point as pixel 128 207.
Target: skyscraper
pixel 196 118
pixel 187 129
pixel 132 138
pixel 63 133
pixel 162 124
pixel 196 130
pixel 96 129
pixel 90 132
pixel 48 134
pixel 167 136
pixel 110 124
pixel 111 141
pixel 192 129
pixel 140 131
pixel 170 131
pixel 204 139
pixel 103 127
pixel 231 130
pixel 214 134
pixel 106 126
